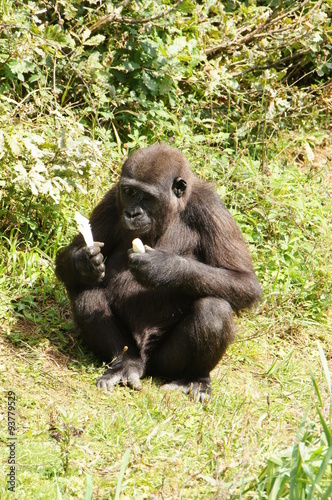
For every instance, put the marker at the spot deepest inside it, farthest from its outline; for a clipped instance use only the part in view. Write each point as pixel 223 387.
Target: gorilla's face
pixel 144 204
pixel 140 206
pixel 152 182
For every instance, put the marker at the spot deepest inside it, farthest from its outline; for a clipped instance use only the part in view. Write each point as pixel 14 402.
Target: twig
pixel 18 105
pixel 288 13
pixel 116 18
pixel 84 83
pixel 115 15
pixel 257 33
pixel 274 64
pixel 153 18
pixel 317 4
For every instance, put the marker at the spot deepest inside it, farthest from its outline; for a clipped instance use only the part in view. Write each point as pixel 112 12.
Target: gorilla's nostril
pixel 133 212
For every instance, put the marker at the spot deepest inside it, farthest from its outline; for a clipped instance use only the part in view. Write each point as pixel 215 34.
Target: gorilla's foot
pixel 198 389
pixel 127 372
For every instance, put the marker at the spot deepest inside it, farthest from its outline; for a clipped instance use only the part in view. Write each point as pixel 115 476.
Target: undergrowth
pixel 243 90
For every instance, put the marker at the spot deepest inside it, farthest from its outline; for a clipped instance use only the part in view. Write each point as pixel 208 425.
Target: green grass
pixel 67 430
pixel 255 120
pixel 73 440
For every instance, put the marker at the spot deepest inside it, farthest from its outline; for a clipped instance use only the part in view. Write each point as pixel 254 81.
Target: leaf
pixel 177 46
pixel 18 66
pixel 131 65
pixel 94 40
pixel 165 85
pixel 149 48
pixel 150 83
pixel 59 36
pixel 13 144
pixel 85 35
pixel 34 150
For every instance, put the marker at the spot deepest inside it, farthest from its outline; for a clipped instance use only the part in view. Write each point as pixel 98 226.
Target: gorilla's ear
pixel 179 187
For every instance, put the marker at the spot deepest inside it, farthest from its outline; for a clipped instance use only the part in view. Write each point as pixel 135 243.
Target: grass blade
pixel 314 383
pixel 58 491
pixel 327 493
pixel 325 366
pixel 278 487
pixel 117 137
pixel 296 457
pixel 125 461
pixel 88 488
pixel 320 472
pixel 275 366
pixel 326 428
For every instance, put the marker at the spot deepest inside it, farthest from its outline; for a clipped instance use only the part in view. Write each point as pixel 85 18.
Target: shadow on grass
pixel 45 325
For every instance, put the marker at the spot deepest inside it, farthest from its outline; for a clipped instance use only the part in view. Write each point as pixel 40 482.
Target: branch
pixel 233 45
pixel 274 64
pixel 113 16
pixel 143 20
pixel 116 18
pixel 75 70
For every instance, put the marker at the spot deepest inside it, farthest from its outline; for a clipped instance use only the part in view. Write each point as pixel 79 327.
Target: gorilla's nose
pixel 133 212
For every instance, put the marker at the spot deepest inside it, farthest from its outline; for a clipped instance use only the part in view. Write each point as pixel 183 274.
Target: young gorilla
pixel 168 311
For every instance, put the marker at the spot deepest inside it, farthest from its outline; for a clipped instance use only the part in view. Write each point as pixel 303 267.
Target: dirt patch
pixel 315 157
pixel 322 153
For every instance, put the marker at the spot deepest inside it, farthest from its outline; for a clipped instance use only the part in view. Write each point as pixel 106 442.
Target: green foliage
pixel 197 70
pixel 291 229
pixel 37 168
pixel 243 89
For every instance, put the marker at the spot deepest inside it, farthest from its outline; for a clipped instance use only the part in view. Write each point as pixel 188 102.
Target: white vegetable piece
pixel 84 228
pixel 138 246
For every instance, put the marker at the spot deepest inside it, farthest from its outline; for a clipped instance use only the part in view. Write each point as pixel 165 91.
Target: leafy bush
pixel 40 167
pixel 82 85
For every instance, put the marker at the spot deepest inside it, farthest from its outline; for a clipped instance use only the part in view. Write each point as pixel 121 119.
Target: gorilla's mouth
pixel 138 227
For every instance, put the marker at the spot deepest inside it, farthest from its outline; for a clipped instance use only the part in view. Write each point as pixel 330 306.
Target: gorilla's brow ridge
pixel 140 186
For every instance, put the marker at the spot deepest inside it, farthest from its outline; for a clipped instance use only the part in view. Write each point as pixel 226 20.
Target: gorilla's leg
pixel 188 354
pixel 107 338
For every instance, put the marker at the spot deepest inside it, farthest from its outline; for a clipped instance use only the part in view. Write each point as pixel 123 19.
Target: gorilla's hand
pixel 157 267
pixel 89 264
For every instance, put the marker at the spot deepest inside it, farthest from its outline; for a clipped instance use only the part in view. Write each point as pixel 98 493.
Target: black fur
pixel 167 312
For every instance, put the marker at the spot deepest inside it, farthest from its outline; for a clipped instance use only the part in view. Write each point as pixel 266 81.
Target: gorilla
pixel 167 312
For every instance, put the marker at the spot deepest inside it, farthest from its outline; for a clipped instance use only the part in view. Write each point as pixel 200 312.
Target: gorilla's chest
pixel 141 308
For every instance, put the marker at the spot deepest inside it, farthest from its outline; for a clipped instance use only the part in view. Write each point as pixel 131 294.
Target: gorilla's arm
pixel 161 268
pixel 79 266
pixel 222 267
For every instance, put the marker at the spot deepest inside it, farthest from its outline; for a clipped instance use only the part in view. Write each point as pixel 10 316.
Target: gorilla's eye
pixel 130 192
pixel 179 187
